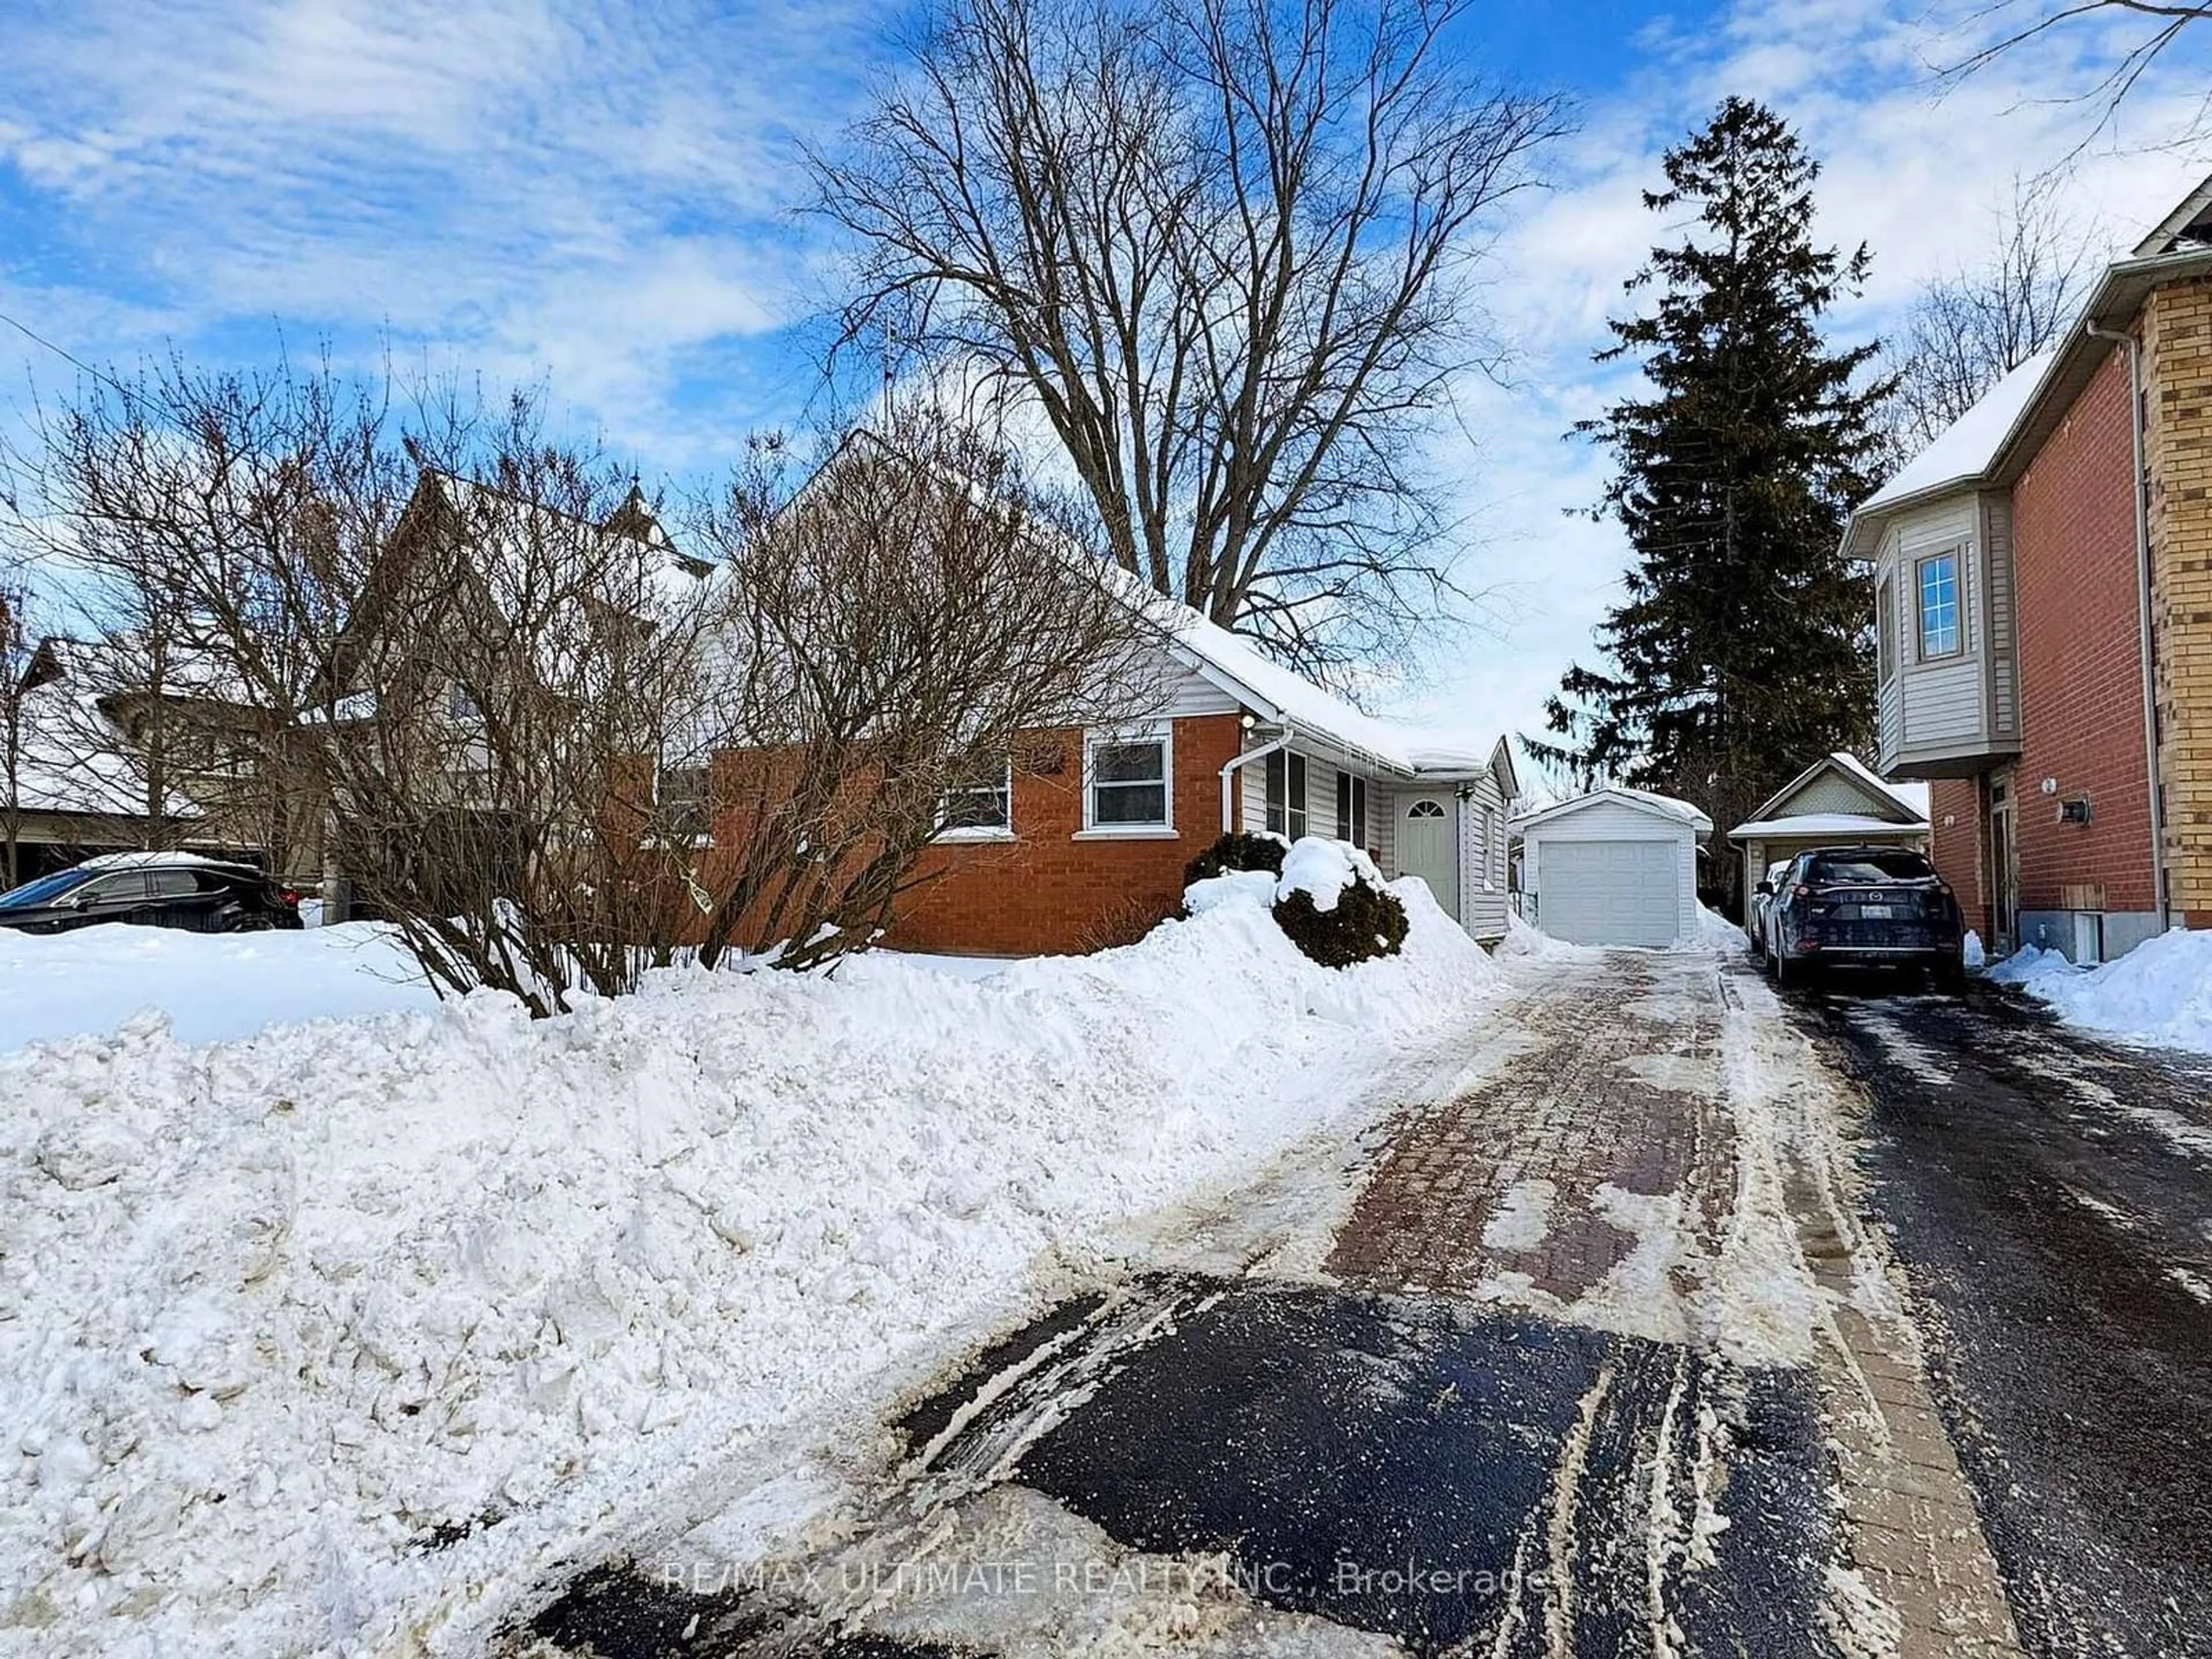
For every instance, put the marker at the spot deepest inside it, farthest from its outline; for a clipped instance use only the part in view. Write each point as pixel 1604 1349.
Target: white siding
pixel 1382 826
pixel 1962 705
pixel 1186 692
pixel 1482 896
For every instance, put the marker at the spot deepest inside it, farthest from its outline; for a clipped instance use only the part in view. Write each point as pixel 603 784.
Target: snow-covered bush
pixel 1332 902
pixel 1240 849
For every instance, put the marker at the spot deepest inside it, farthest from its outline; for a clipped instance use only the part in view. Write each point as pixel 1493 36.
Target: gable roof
pixel 1276 695
pixel 1888 804
pixel 2189 225
pixel 1637 800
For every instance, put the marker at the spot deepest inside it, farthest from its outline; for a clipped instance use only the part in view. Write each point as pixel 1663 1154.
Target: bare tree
pixel 547 745
pixel 1967 330
pixel 19 677
pixel 911 624
pixel 1228 250
pixel 2159 28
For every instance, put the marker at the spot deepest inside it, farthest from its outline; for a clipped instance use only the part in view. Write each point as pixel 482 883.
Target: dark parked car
pixel 1863 907
pixel 1755 924
pixel 200 896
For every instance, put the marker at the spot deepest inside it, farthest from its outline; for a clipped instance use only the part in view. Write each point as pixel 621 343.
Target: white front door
pixel 1428 848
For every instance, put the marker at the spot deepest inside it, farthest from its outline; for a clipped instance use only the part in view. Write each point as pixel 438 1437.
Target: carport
pixel 1615 867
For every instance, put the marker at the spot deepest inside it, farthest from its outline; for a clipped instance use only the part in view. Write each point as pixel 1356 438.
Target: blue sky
pixel 601 195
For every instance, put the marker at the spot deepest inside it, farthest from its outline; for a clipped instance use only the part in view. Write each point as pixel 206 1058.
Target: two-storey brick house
pixel 2044 619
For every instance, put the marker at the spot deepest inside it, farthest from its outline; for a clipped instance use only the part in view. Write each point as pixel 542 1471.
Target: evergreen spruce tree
pixel 1744 650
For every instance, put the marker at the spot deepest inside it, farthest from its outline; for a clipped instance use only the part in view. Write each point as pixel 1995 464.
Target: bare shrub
pixel 549 745
pixel 903 618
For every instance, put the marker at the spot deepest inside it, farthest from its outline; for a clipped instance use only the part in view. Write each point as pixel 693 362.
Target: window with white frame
pixel 1126 781
pixel 1352 809
pixel 463 706
pixel 1940 634
pixel 1491 849
pixel 981 808
pixel 1286 793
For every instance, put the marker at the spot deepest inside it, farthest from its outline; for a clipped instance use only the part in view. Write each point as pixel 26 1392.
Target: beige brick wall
pixel 2177 330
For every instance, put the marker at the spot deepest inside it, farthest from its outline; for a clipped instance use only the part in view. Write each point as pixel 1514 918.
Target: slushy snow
pixel 2158 992
pixel 341 1336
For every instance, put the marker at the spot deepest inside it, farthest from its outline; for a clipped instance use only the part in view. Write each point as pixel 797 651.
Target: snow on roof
pixel 1642 800
pixel 1289 696
pixel 1965 449
pixel 70 757
pixel 158 860
pixel 1855 825
pixel 1912 797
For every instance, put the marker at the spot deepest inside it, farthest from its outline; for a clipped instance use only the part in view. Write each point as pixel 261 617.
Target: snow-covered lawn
pixel 226 985
pixel 332 1337
pixel 2160 993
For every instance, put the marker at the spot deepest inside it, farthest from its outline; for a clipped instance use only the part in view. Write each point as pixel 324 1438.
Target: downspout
pixel 2138 485
pixel 1234 763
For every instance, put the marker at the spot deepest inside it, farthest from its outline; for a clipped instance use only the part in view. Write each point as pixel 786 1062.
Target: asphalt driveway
pixel 2051 1197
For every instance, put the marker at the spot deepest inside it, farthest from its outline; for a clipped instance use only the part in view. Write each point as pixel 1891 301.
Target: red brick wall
pixel 1047 891
pixel 2080 656
pixel 1958 847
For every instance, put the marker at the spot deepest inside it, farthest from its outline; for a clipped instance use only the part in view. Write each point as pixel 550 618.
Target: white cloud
pixel 598 193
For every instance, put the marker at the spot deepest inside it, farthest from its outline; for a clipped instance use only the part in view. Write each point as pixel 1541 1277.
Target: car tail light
pixel 289 895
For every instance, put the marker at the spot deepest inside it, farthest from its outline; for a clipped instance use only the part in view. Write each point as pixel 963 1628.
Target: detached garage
pixel 1617 866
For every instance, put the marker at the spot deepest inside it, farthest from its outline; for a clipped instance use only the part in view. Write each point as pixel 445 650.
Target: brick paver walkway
pixel 1621 1095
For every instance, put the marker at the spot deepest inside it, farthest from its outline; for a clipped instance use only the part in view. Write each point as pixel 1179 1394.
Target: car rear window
pixel 1900 866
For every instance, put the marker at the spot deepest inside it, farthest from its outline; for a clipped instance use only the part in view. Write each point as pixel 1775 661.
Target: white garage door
pixel 1610 892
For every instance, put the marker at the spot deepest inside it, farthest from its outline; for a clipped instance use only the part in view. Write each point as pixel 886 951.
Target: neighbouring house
pixel 481 603
pixel 2043 617
pixel 1834 802
pixel 92 762
pixel 1614 866
pixel 1084 842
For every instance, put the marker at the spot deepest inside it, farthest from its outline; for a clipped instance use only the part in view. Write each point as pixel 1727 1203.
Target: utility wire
pixel 66 356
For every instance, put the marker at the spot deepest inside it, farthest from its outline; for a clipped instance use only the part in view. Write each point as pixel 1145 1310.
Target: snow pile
pixel 1323 869
pixel 1523 939
pixel 337 1337
pixel 1231 887
pixel 1717 932
pixel 210 986
pixel 2158 992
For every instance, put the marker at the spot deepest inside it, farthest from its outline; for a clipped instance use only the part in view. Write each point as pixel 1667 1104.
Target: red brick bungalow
pixel 2043 615
pixel 1086 841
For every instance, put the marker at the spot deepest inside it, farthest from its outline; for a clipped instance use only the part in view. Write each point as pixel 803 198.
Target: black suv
pixel 1863 907
pixel 200 896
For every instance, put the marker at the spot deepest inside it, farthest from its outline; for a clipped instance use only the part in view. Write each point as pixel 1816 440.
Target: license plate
pixel 1876 913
